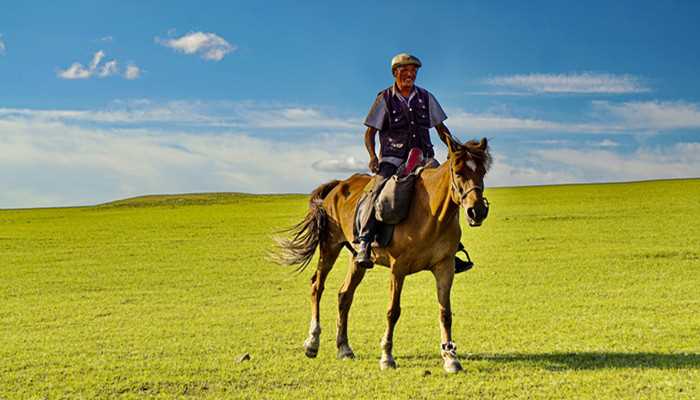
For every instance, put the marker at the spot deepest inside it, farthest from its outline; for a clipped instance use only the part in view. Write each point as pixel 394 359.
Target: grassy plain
pixel 588 291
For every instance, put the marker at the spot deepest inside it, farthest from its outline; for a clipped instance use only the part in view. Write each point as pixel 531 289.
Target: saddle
pixel 393 199
pixel 382 232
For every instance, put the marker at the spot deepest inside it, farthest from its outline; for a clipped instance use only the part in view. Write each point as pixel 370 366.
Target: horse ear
pixel 483 144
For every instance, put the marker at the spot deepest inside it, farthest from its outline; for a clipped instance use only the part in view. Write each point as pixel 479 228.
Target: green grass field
pixel 589 291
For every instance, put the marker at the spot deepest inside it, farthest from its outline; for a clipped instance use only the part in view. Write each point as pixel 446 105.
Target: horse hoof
pixel 452 366
pixel 310 350
pixel 311 353
pixel 387 364
pixel 345 353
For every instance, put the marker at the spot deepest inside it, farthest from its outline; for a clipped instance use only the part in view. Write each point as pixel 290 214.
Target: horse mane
pixel 473 148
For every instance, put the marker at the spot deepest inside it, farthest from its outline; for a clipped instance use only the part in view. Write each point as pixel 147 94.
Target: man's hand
pixel 374 164
pixel 369 145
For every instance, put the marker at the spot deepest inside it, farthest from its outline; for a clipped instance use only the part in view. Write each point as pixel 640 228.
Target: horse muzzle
pixel 477 213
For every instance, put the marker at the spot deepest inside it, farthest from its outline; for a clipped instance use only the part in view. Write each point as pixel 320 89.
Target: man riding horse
pixel 403 115
pixel 425 239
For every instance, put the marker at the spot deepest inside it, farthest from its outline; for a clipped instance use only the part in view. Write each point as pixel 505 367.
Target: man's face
pixel 406 76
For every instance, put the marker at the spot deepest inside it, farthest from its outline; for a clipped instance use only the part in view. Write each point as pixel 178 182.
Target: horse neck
pixel 438 186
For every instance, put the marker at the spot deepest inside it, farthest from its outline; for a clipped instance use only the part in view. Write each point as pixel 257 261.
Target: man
pixel 403 115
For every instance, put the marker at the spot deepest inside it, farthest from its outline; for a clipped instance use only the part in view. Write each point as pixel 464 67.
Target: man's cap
pixel 403 59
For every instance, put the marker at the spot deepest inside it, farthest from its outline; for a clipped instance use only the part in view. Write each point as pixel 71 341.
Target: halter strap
pixel 456 189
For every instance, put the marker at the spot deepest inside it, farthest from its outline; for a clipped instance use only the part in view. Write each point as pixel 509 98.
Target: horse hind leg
pixel 327 257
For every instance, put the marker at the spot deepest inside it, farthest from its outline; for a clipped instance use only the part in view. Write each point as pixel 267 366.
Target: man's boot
pixel 363 258
pixel 461 265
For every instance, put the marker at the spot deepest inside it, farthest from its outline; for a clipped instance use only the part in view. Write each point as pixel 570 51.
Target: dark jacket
pixel 404 126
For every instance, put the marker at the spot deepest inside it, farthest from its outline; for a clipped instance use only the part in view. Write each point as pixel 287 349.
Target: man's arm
pixel 445 135
pixel 369 144
pixel 443 132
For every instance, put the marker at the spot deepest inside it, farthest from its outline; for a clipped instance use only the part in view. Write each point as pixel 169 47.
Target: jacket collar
pixel 395 91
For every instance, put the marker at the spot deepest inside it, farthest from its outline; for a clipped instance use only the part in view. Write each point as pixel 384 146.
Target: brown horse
pixel 426 240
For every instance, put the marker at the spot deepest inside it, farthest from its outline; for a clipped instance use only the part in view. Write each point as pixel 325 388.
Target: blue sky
pixel 105 100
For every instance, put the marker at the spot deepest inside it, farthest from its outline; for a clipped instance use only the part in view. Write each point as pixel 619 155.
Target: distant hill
pixel 158 200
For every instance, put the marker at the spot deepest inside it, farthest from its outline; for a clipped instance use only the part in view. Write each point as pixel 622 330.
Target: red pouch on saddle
pixel 413 161
pixel 394 202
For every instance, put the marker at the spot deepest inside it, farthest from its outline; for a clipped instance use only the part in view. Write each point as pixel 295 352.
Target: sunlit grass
pixel 578 291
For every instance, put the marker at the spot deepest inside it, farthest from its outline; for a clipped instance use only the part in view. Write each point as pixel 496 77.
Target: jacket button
pixel 410 109
pixel 414 135
pixel 413 123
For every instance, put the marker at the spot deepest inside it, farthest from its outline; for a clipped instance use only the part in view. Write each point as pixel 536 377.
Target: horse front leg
pixel 444 274
pixel 392 316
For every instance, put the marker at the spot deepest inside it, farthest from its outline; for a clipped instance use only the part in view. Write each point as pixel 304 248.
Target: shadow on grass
pixel 596 360
pixel 579 361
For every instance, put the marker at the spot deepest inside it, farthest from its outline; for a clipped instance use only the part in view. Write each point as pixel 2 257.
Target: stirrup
pixel 461 265
pixel 366 261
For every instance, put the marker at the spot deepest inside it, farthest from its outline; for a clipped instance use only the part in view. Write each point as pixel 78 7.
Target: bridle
pixel 463 194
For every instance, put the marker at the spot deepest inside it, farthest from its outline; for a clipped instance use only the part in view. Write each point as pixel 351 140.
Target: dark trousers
pixel 368 222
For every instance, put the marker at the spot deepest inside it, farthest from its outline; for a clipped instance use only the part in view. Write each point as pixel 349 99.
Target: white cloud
pixel 2 46
pixel 346 165
pixel 129 114
pixel 96 68
pixel 652 115
pixel 96 59
pixel 507 172
pixel 108 69
pixel 296 117
pixel 548 142
pixel 503 123
pixel 45 163
pixel 491 122
pixel 71 157
pixel 75 71
pixel 605 143
pixel 681 160
pixel 132 72
pixel 569 165
pixel 606 117
pixel 586 82
pixel 209 46
pixel 242 115
pixel 497 93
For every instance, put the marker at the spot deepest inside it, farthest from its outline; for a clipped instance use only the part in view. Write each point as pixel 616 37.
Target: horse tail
pixel 305 236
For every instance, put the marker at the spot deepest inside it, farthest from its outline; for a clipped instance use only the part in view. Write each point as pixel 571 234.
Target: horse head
pixel 469 163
